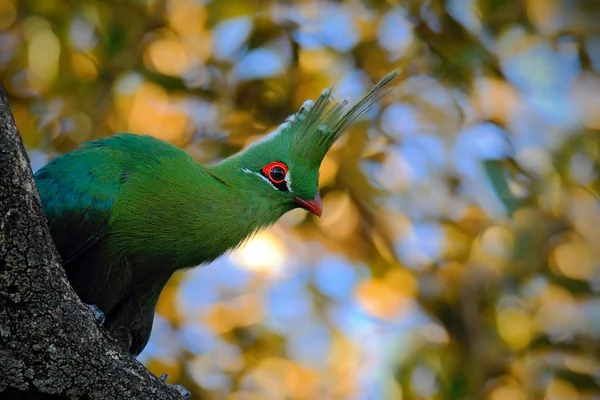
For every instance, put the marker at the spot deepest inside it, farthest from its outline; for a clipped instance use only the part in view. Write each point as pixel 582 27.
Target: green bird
pixel 128 211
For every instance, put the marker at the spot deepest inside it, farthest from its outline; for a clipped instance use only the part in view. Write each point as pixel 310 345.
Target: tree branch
pixel 50 342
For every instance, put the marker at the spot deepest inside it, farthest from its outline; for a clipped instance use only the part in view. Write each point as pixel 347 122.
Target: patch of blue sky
pixel 529 129
pixel 82 35
pixel 557 109
pixel 538 68
pixel 417 160
pixel 214 380
pixel 309 344
pixel 485 141
pixel 9 42
pixel 161 343
pixel 229 37
pixel 259 64
pixel 384 351
pixel 196 338
pixel 395 174
pixel 546 76
pixel 128 83
pixel 426 88
pixel 372 169
pixel 424 382
pixel 308 39
pixel 395 33
pixel 37 159
pixel 465 12
pixel 381 342
pixel 352 86
pixel 565 55
pixel 425 154
pixel 194 296
pixel 336 277
pixel 199 288
pixel 49 112
pixel 223 272
pixel 473 145
pixel 338 28
pixel 263 62
pixel 351 320
pixel 399 120
pixel 421 245
pixel 205 116
pixel 355 323
pixel 288 304
pixel 334 27
pixel 225 354
pixel 582 169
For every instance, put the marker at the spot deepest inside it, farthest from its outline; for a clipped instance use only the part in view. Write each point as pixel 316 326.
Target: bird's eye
pixel 275 171
pixel 277 174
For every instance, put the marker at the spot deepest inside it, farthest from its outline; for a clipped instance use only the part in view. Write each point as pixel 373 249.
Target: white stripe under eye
pixel 288 179
pixel 246 170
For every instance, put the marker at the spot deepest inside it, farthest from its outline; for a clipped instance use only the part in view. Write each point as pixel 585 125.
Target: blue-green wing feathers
pixel 78 191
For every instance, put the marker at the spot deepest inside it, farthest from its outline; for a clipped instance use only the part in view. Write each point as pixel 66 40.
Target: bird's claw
pixel 182 391
pixel 180 388
pixel 98 314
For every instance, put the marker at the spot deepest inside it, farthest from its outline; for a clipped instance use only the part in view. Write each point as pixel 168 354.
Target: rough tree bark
pixel 50 343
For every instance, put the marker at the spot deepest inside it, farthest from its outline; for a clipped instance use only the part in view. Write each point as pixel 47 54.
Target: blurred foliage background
pixel 458 256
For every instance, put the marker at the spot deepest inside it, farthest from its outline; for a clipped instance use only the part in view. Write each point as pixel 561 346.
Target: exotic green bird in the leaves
pixel 128 211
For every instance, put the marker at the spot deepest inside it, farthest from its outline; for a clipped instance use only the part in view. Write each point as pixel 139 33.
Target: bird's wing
pixel 77 192
pixel 79 189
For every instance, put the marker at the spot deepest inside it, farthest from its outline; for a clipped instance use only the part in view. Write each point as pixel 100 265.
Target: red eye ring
pixel 275 171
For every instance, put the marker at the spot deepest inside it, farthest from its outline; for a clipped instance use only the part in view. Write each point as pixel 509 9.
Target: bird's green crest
pixel 302 141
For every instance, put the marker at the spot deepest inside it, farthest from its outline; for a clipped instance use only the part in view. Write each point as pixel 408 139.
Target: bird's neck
pixel 200 216
pixel 226 215
pixel 238 211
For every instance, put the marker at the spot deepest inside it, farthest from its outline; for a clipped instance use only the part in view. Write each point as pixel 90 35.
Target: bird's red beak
pixel 315 205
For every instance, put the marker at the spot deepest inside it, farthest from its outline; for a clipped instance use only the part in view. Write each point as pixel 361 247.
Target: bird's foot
pixel 98 314
pixel 185 394
pixel 180 388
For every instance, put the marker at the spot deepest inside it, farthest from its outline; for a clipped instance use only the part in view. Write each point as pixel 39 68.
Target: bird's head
pixel 283 166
